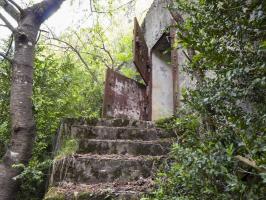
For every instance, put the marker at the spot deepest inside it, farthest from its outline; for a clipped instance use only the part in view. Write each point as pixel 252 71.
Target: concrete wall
pixel 157 20
pixel 162 88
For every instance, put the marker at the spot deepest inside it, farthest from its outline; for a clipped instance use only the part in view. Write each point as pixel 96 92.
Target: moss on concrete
pixel 54 194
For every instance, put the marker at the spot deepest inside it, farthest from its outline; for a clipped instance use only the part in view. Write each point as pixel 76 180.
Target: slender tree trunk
pixel 23 125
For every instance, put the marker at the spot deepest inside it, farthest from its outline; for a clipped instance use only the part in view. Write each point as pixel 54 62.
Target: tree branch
pixel 119 67
pixel 105 50
pixel 46 8
pixel 16 5
pixel 5 57
pixel 103 60
pixel 79 55
pixel 130 2
pixel 10 9
pixel 109 55
pixel 3 25
pixel 10 44
pixel 8 24
pixel 250 163
pixel 187 56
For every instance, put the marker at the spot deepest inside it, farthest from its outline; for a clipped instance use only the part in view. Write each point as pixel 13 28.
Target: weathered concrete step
pixel 112 133
pixel 131 147
pixel 110 122
pixel 125 122
pixel 114 190
pixel 92 169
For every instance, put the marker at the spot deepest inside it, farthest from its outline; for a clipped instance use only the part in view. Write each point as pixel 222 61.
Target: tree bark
pixel 23 125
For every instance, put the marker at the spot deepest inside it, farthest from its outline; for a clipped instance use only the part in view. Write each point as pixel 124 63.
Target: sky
pixel 76 14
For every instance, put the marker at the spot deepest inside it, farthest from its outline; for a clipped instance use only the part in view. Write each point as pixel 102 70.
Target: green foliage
pixel 124 49
pixel 32 179
pixel 4 105
pixel 63 88
pixel 224 118
pixel 53 194
pixel 202 165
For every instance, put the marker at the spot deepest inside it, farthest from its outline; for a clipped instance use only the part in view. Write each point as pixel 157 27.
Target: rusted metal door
pixel 141 53
pixel 159 97
pixel 124 97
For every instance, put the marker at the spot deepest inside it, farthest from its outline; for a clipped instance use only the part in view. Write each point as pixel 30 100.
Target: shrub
pixel 220 153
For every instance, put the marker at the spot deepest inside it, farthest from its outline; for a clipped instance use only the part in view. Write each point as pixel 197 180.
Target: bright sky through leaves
pixel 76 14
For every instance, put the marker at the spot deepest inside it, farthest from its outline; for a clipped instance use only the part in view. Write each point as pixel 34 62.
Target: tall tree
pixel 25 35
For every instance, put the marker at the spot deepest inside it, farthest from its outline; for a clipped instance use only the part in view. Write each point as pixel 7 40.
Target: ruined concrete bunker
pixel 159 63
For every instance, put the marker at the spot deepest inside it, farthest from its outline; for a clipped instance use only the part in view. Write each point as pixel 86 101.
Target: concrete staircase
pixel 115 159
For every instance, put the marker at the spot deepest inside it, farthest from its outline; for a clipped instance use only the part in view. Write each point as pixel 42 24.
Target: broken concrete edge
pixel 55 193
pixel 130 190
pixel 114 122
pixel 112 157
pixel 158 19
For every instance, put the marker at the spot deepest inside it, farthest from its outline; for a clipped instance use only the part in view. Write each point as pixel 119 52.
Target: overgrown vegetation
pixel 221 145
pixel 220 153
pixel 63 88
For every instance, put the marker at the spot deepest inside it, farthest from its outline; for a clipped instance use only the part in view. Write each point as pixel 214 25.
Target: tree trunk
pixel 23 126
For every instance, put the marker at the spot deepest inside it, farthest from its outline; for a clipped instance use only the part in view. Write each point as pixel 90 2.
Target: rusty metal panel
pixel 124 97
pixel 174 62
pixel 141 53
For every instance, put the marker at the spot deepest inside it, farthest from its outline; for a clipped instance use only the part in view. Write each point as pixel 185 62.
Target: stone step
pixel 113 133
pixel 110 122
pixel 125 123
pixel 93 169
pixel 131 147
pixel 114 190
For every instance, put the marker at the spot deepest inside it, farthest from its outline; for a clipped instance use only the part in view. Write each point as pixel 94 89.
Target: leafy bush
pixel 4 105
pixel 202 165
pixel 220 153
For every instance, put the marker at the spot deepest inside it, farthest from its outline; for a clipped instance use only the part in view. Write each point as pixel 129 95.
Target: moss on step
pixel 54 194
pixel 91 196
